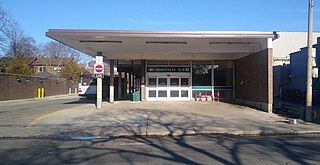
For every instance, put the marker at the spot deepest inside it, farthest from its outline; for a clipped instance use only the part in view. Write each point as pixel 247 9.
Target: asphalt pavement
pixel 69 116
pixel 69 130
pixel 204 149
pixel 15 115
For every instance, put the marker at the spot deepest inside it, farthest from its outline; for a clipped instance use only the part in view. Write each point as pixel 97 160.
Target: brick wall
pixel 22 87
pixel 254 79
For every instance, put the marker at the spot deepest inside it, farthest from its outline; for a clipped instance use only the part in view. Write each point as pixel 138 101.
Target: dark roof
pixel 51 61
pixel 46 75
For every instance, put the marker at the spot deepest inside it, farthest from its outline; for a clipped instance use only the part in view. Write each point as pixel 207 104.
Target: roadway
pixel 21 112
pixel 201 149
pixel 210 149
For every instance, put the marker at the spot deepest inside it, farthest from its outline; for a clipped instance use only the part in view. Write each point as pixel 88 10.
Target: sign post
pixel 99 72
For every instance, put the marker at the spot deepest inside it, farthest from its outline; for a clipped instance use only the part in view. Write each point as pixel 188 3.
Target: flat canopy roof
pixel 164 45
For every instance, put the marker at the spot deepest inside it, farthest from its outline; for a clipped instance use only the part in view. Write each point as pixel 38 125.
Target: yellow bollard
pixel 42 92
pixel 39 93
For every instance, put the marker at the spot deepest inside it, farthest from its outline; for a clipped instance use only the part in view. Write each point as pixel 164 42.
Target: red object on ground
pixel 205 96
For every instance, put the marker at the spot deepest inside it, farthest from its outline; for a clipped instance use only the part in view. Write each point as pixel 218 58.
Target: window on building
pixel 42 69
pixel 57 68
pixel 162 81
pixel 201 75
pixel 223 73
pixel 184 93
pixel 185 81
pixel 223 78
pixel 152 81
pixel 152 93
pixel 174 81
pixel 162 93
pixel 174 93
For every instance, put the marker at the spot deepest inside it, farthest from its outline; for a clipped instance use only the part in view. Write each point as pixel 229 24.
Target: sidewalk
pixel 162 118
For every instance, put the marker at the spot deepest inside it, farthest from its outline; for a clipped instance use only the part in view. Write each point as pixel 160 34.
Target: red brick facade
pixel 254 80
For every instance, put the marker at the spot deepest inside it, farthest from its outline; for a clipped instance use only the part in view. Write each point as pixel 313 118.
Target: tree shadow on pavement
pixel 170 149
pixel 215 149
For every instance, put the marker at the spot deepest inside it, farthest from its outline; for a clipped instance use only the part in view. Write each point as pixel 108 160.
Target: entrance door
pixel 162 88
pixel 168 88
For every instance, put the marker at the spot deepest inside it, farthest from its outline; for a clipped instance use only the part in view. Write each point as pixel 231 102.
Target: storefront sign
pixel 168 69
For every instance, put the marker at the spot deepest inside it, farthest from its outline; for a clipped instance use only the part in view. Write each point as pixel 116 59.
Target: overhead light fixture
pixel 101 41
pixel 167 42
pixel 231 43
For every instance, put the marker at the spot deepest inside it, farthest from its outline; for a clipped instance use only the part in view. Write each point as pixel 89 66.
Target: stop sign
pixel 98 68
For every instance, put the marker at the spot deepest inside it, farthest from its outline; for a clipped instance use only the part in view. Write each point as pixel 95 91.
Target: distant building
pixel 286 44
pixel 298 63
pixel 46 75
pixel 295 89
pixel 289 42
pixel 51 65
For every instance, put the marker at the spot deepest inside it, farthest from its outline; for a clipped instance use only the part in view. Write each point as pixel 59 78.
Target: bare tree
pixel 19 45
pixel 13 42
pixel 54 49
pixel 5 22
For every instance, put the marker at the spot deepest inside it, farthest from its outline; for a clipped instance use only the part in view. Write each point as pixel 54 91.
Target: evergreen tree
pixel 18 66
pixel 72 71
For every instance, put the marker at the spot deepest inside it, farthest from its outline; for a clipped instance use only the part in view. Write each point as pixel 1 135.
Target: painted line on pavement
pixel 36 120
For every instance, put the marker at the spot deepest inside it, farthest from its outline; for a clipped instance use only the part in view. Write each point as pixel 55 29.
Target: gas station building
pixel 181 65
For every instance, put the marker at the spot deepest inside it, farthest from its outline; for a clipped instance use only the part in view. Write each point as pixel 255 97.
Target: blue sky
pixel 37 16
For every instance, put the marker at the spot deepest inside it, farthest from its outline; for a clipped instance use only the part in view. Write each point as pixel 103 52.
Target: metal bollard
pixel 39 93
pixel 42 92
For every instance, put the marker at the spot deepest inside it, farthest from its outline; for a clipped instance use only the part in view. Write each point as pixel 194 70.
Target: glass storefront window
pixel 223 73
pixel 152 81
pixel 184 81
pixel 174 81
pixel 223 78
pixel 201 75
pixel 226 94
pixel 152 93
pixel 174 93
pixel 162 93
pixel 184 93
pixel 162 81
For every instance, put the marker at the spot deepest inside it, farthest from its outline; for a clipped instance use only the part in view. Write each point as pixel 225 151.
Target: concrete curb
pixel 158 134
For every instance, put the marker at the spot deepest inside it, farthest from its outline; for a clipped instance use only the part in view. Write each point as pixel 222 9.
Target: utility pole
pixel 309 111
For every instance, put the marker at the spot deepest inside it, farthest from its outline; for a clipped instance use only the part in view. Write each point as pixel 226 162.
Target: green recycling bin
pixel 136 96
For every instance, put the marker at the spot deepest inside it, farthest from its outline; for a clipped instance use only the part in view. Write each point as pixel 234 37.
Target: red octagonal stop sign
pixel 98 68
